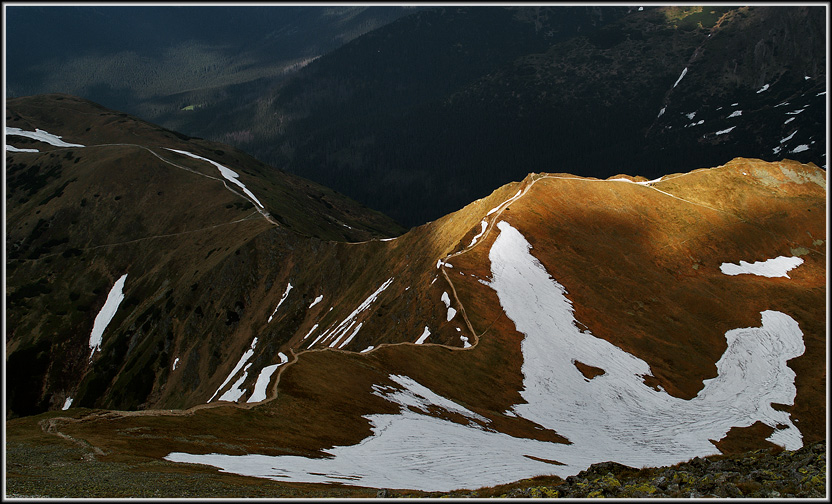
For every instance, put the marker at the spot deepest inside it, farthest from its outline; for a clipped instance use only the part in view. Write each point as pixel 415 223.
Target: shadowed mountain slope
pixel 128 197
pixel 447 104
pixel 558 322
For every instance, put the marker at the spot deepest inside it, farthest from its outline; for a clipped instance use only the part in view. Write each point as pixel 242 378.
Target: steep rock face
pixel 618 289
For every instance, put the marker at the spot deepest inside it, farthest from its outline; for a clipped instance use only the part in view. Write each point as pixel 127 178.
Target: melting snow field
pixel 41 136
pixel 108 311
pixel 613 416
pixel 777 267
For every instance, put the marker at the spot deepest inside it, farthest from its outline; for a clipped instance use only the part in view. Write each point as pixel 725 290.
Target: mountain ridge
pixel 425 328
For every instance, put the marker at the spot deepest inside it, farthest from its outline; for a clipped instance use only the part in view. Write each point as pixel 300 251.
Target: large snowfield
pixel 613 416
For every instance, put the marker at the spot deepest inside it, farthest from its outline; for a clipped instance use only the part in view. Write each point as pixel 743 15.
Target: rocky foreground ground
pixel 66 471
pixel 772 473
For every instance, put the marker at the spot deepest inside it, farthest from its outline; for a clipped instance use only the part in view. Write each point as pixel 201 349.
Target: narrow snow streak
pixel 12 148
pixel 484 224
pixel 246 356
pixel 786 139
pixel 777 267
pixel 175 362
pixel 721 132
pixel 41 136
pixel 108 311
pixel 614 417
pixel 67 404
pixel 685 71
pixel 341 329
pixel 282 298
pixel 227 173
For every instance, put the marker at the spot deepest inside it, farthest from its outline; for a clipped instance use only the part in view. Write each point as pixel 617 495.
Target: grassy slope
pixel 651 243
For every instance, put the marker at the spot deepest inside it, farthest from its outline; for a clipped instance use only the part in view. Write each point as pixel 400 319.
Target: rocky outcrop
pixel 762 473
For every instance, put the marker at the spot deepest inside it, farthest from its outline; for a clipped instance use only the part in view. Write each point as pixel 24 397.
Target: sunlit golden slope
pixel 639 260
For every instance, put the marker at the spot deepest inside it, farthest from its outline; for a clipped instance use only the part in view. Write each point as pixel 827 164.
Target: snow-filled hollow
pixel 614 416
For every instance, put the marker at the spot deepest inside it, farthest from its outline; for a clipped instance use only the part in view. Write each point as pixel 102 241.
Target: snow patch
pixel 777 267
pixel 263 379
pixel 504 203
pixel 784 140
pixel 367 349
pixel 691 115
pixel 67 404
pixel 465 343
pixel 246 356
pixel 612 417
pixel 800 148
pixel 424 336
pixel 661 112
pixel 316 301
pixel 685 71
pixel 11 148
pixel 341 329
pixel 790 119
pixel 310 331
pixel 282 298
pixel 765 86
pixel 722 132
pixel 105 316
pixel 227 173
pixel 175 363
pixel 41 136
pixel 735 113
pixel 234 393
pixel 484 224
